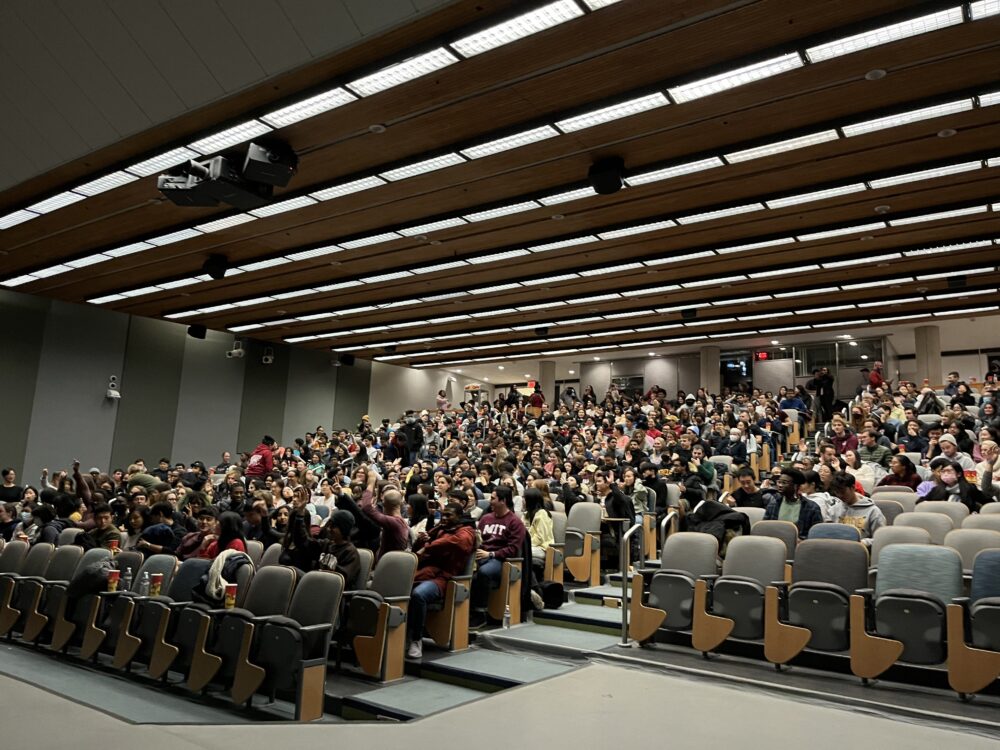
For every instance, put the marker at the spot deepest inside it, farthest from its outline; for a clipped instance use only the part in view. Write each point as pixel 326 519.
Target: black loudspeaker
pixel 605 175
pixel 689 313
pixel 197 331
pixel 216 266
pixel 390 349
pixel 542 331
pixel 346 359
pixel 957 282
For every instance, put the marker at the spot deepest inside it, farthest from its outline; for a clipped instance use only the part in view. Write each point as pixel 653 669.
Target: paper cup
pixel 113 577
pixel 230 595
pixel 155 584
pixel 113 545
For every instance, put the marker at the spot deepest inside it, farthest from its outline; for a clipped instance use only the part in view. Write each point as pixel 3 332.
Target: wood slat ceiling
pixel 628 49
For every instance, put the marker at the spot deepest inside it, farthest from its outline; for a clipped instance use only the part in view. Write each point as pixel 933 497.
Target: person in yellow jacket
pixel 539 523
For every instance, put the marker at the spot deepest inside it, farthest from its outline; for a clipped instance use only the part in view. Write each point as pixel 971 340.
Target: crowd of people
pixel 482 481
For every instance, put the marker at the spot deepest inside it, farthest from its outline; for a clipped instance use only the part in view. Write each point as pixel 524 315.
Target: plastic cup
pixel 113 578
pixel 113 544
pixel 155 584
pixel 230 595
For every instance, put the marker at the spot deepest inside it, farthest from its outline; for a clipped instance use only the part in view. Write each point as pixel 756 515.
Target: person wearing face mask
pixel 953 488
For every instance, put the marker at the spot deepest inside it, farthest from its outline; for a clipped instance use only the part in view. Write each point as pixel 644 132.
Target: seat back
pixel 558 527
pixel 317 598
pixel 754 514
pixel 835 531
pixel 892 488
pixel 969 542
pixel 691 551
pixel 980 521
pixel 833 561
pixel 270 591
pixel 990 509
pixel 129 561
pixel 926 568
pixel 929 418
pixel 13 556
pixel 907 499
pixel 366 558
pixel 793 414
pixel 890 509
pixel 165 564
pixel 584 517
pixel 244 576
pixel 985 575
pixel 915 458
pixel 758 557
pixel 67 536
pixel 323 511
pixel 255 550
pixel 90 557
pixel 957 512
pixel 888 535
pixel 394 572
pixel 786 531
pixel 37 560
pixel 63 563
pixel 270 556
pixel 186 578
pixel 673 495
pixel 936 524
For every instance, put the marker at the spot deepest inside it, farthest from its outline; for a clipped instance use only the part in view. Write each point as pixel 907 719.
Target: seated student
pixel 854 509
pixel 936 465
pixel 104 531
pixel 395 532
pixel 64 506
pixel 8 521
pixel 816 490
pixel 190 546
pixel 228 536
pixel 337 549
pixel 951 486
pixel 902 473
pixel 503 535
pixel 791 505
pixel 442 553
pixel 539 522
pixel 257 525
pixel 156 542
pixel 748 494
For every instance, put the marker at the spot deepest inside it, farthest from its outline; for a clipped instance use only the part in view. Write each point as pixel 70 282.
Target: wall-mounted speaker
pixel 689 313
pixel 606 175
pixel 346 359
pixel 197 331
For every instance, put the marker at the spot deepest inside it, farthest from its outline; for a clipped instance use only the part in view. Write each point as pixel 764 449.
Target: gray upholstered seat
pixel 786 531
pixel 686 557
pixel 892 488
pixel 935 524
pixel 888 535
pixel 559 523
pixel 984 600
pixel 53 600
pixel 957 512
pixel 840 531
pixel 118 612
pixel 583 518
pixel 255 550
pixel 68 536
pixel 270 556
pixel 970 542
pixel 754 514
pixel 982 521
pixel 366 558
pixel 914 585
pixel 890 509
pixel 27 592
pixel 12 556
pixel 907 499
pixel 990 509
pixel 752 563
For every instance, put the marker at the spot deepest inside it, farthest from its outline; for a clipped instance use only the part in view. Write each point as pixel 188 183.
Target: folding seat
pixel 929 418
pixel 982 521
pixel 891 488
pixel 733 604
pixel 376 616
pixel 33 565
pixel 68 536
pixel 793 433
pixel 724 470
pixel 907 499
pixel 915 458
pixel 322 511
pixel 448 621
pixel 888 535
pixel 890 509
pixel 583 543
pixel 366 558
pixel 52 600
pixel 754 514
pixel 974 629
pixel 686 557
pixel 814 611
pixel 936 524
pixel 28 590
pixel 271 556
pixel 990 509
pixel 970 542
pixel 840 531
pixel 957 512
pixel 255 550
pixel 907 608
pixel 12 556
pixel 290 653
pixel 673 495
pixel 554 553
pixel 508 593
pixel 787 532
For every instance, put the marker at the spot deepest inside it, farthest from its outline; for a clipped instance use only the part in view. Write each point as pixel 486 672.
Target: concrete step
pixel 548 639
pixel 406 700
pixel 597 594
pixel 578 616
pixel 490 671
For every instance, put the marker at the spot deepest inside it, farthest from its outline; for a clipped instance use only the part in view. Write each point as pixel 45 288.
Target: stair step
pixel 548 639
pixel 587 617
pixel 407 700
pixel 489 671
pixel 597 594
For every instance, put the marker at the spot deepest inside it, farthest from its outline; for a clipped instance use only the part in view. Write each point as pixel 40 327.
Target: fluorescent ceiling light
pixel 968 311
pixel 947 248
pixel 510 142
pixel 711 282
pixel 598 4
pixel 338 285
pixel 925 174
pixel 355 186
pixel 817 195
pixel 370 240
pixel 166 239
pixel 393 276
pixel 230 137
pixel 830 308
pixel 578 321
pixel 765 316
pixel 442 297
pixel 262 264
pixel 439 267
pixel 246 327
pixel 102 184
pixel 963 293
pixel 550 279
pixel 179 283
pixel 940 215
pixel 55 202
pixel 874 284
pixel 935 276
pixel 611 269
pixel 562 243
pixel 988 100
pixel 984 8
pixel 679 258
pixel 721 213
pixel 294 294
pixel 569 195
pixel 885 35
pixel 733 78
pixel 770 149
pixel 402 72
pixel 281 206
pixel 494 289
pixel 184 314
pixel 786 329
pixel 15 218
pixel 493 213
pixel 614 112
pixel 675 171
pixel 782 272
pixel 904 118
pixel 252 302
pixel 44 273
pixel 432 227
pixel 505 255
pixel 697 323
pixel 316 252
pixel 685 306
pixel 300 339
pixel 868 259
pixel 422 167
pixel 315 316
pixel 310 107
pixel 90 260
pixel 630 314
pixel 163 161
pixel 651 290
pixel 755 245
pixel 105 299
pixel 18 280
pixel 637 229
pixel 729 335
pixel 616 332
pixel 806 292
pixel 592 298
pixel 134 247
pixel 841 324
pixel 229 221
pixel 494 313
pixel 141 292
pixel 841 231
pixel 217 308
pixel 897 318
pixel 518 27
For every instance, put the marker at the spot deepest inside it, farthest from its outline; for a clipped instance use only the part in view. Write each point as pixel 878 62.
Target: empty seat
pixel 787 532
pixel 366 558
pixel 554 553
pixel 12 555
pixel 981 521
pixel 935 524
pixel 990 509
pixel 582 550
pixel 970 542
pixel 255 550
pixel 890 509
pixel 270 556
pixel 68 536
pixel 27 593
pixel 840 531
pixel 973 667
pixel 888 535
pixel 907 499
pixel 52 604
pixel 754 514
pixel 32 565
pixel 957 512
pixel 892 488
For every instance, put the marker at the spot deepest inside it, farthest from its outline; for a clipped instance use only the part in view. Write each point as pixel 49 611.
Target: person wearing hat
pixel 947 447
pixel 792 505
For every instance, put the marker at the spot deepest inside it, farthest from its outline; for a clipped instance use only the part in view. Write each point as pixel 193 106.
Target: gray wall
pixel 353 388
pixel 23 328
pixel 312 389
pixel 264 387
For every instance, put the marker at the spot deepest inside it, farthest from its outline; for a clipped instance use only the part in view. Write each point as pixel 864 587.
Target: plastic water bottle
pixel 506 617
pixel 144 585
pixel 127 580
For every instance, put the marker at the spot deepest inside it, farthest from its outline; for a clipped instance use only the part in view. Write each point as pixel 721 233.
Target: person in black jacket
pixel 793 506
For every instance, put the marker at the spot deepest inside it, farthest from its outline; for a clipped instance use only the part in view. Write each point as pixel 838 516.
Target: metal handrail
pixel 671 515
pixel 625 557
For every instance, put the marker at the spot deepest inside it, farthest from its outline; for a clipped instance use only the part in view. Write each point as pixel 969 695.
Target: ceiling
pixel 794 179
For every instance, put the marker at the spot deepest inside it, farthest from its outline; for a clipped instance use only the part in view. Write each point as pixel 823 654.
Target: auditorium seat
pixel 935 524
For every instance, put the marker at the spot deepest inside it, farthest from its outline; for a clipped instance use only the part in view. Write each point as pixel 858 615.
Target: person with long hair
pixel 902 473
pixel 419 517
pixel 229 535
pixel 539 523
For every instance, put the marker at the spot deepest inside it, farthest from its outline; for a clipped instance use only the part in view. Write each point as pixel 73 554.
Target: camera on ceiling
pixel 237 352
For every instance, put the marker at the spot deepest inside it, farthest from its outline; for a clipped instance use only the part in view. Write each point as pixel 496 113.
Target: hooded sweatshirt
pixel 261 461
pixel 864 515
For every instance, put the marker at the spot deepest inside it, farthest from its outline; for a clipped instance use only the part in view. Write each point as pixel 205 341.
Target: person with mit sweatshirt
pixel 503 536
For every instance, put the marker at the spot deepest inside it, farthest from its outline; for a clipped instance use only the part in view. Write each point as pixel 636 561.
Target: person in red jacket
pixel 443 553
pixel 261 461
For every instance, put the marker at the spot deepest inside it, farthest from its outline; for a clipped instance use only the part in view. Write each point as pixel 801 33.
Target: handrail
pixel 624 558
pixel 671 515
